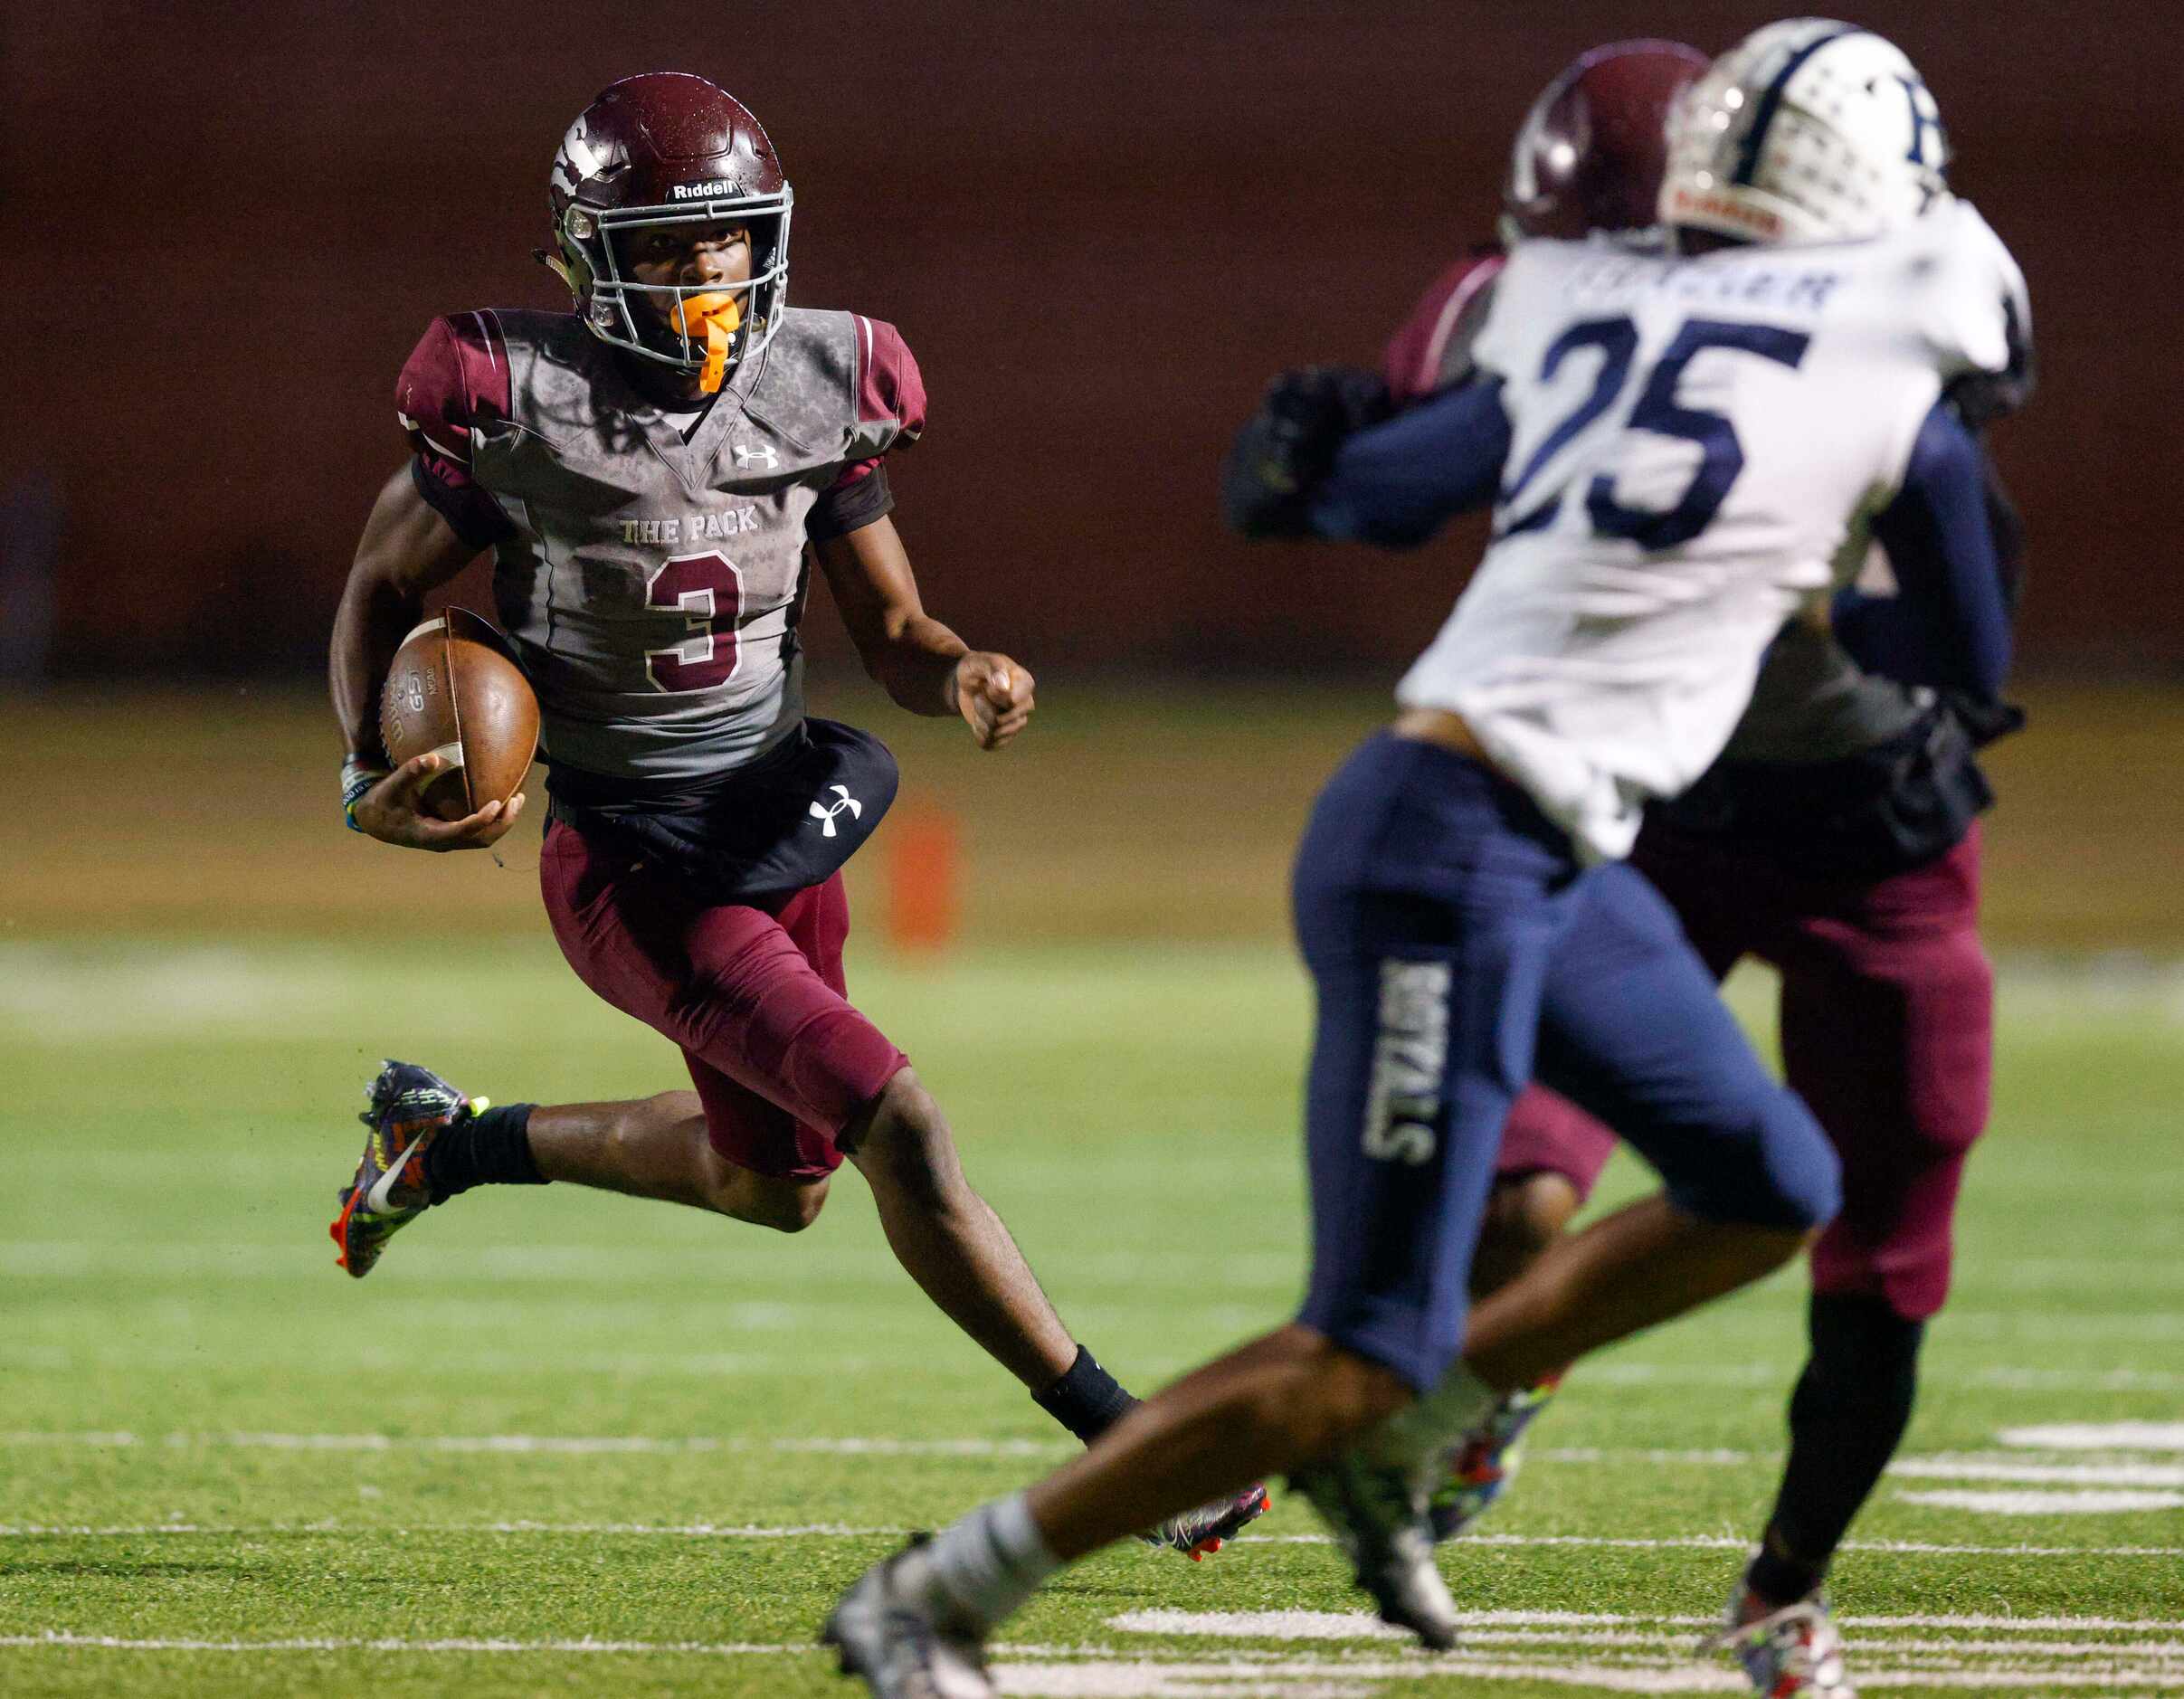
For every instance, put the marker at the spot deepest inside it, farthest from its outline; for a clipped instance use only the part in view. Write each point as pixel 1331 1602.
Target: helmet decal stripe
pixel 1771 102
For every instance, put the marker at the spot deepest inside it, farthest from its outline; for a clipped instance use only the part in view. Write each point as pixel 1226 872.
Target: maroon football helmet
pixel 667 149
pixel 1590 152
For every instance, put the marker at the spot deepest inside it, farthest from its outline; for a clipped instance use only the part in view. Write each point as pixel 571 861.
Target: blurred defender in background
pixel 1836 839
pixel 654 473
pixel 1685 452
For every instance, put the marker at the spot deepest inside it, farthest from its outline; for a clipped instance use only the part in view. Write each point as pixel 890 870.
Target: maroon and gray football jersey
pixel 652 586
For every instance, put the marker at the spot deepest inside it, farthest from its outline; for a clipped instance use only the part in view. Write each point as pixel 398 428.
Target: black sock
pixel 492 1148
pixel 1088 1401
pixel 1849 1411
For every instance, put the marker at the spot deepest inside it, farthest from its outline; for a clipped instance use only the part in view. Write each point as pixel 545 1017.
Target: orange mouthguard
pixel 715 315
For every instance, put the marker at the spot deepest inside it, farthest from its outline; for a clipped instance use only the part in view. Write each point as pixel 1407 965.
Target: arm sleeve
pixel 457 374
pixel 859 497
pixel 1948 625
pixel 1395 484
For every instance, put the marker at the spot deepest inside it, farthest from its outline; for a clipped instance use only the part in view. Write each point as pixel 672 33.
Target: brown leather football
pixel 455 690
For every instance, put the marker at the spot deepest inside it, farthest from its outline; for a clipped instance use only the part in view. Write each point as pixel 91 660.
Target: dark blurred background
pixel 1099 226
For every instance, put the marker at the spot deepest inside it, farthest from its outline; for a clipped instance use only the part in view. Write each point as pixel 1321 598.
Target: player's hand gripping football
pixel 993 694
pixel 390 811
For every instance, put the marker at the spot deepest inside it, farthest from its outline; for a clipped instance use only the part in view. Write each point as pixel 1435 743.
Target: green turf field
pixel 564 1442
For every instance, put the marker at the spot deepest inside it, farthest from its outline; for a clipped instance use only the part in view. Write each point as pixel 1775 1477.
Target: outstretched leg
pixel 949 1240
pixel 430 1143
pixel 1429 998
pixel 792 1077
pixel 657 1147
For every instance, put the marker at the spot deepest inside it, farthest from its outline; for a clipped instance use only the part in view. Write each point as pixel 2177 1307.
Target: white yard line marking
pixel 1992 1377
pixel 548 1445
pixel 1097 1673
pixel 2024 1625
pixel 115 1643
pixel 544 1359
pixel 1359 1625
pixel 1996 1467
pixel 1716 1456
pixel 1737 1543
pixel 1262 1625
pixel 1148 1680
pixel 352 1530
pixel 842 1530
pixel 2008 1379
pixel 1947 1468
pixel 2097 1437
pixel 1290 1627
pixel 2087 1502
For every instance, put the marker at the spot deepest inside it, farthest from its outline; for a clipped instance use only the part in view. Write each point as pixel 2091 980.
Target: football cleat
pixel 1196 1532
pixel 410 1106
pixel 1480 1468
pixel 1792 1653
pixel 887 1635
pixel 1379 1518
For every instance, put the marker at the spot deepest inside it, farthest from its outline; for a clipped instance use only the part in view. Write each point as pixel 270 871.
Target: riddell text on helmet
pixel 1757 220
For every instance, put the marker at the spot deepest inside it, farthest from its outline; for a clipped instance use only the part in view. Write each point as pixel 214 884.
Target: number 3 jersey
pixel 650 582
pixel 1696 447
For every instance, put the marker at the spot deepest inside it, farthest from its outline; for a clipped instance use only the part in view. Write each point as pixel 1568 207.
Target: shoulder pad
pixel 1432 350
pixel 456 376
pixel 1971 306
pixel 890 390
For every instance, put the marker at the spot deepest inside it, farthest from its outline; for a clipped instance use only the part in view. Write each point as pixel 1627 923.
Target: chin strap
pixel 559 267
pixel 715 315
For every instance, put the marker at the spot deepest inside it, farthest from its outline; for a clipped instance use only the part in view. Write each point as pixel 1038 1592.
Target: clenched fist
pixel 993 695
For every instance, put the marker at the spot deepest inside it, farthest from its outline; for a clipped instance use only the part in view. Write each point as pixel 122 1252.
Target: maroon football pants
pixel 755 997
pixel 1888 1031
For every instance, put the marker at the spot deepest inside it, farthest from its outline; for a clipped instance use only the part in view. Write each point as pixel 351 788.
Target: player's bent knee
pixel 901 1141
pixel 1784 1175
pixel 787 1206
pixel 1527 1212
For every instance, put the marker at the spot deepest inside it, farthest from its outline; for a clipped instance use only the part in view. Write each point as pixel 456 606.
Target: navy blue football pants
pixel 1459 949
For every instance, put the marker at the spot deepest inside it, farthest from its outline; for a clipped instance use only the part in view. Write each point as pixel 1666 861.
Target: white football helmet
pixel 1807 131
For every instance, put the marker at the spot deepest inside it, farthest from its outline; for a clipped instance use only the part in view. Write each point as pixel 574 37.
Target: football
pixel 455 690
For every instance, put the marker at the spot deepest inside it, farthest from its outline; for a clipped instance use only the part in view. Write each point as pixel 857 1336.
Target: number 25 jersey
pixel 652 584
pixel 1696 447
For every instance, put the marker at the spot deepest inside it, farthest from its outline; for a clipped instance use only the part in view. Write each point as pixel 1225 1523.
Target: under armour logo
pixel 764 456
pixel 827 811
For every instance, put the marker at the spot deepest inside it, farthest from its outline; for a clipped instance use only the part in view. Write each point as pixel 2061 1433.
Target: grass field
pixel 566 1442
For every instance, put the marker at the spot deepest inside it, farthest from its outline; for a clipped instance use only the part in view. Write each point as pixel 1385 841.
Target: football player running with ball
pixel 648 471
pixel 1834 839
pixel 1685 452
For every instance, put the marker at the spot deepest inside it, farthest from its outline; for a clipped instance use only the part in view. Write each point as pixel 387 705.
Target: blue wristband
pixel 357 777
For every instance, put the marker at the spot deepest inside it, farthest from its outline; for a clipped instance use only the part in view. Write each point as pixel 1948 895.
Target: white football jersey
pixel 1696 447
